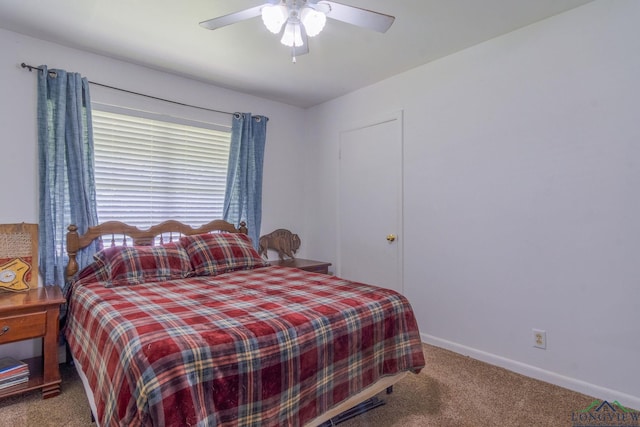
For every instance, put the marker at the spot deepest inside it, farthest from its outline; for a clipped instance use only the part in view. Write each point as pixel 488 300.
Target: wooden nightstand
pixel 34 314
pixel 304 264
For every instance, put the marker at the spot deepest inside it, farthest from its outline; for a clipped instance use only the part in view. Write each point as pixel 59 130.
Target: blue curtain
pixel 243 196
pixel 67 184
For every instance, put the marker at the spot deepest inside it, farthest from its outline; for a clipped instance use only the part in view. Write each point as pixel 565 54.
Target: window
pixel 152 168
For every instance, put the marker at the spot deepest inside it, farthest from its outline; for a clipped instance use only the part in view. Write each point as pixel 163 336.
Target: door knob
pixel 391 237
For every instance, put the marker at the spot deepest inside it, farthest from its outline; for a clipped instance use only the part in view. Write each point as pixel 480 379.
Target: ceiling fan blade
pixel 232 18
pixel 375 21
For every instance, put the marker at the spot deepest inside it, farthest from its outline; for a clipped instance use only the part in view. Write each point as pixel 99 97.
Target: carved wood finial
pixel 243 228
pixel 73 244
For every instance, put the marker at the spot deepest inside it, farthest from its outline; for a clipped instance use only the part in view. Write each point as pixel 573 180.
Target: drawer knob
pixel 5 329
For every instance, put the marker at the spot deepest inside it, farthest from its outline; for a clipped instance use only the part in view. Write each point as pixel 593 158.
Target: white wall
pixel 18 143
pixel 522 196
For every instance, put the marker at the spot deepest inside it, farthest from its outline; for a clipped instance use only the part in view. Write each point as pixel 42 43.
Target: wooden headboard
pixel 120 234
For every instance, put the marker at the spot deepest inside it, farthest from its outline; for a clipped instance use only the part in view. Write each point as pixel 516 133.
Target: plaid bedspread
pixel 273 346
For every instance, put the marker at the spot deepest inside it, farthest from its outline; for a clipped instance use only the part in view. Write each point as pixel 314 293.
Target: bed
pixel 176 326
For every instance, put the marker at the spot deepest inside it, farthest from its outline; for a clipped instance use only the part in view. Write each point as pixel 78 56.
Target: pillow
pixel 144 264
pixel 218 253
pixel 94 272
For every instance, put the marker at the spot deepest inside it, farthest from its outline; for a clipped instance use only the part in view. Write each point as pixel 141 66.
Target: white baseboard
pixel 601 393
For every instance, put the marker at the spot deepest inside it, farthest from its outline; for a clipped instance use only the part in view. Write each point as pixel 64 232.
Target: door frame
pixel 398 116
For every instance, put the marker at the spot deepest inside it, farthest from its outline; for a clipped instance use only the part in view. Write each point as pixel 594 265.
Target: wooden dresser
pixel 34 314
pixel 304 264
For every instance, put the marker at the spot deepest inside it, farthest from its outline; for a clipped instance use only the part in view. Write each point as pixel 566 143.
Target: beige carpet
pixel 69 409
pixel 452 390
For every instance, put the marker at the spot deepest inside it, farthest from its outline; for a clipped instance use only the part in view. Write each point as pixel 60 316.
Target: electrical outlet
pixel 540 339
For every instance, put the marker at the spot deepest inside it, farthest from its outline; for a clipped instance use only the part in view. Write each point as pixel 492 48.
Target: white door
pixel 370 203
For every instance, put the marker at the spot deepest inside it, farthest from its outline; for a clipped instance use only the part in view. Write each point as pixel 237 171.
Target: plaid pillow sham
pixel 125 266
pixel 218 253
pixel 94 272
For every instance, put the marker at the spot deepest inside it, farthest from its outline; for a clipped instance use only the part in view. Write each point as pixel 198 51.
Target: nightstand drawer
pixel 16 328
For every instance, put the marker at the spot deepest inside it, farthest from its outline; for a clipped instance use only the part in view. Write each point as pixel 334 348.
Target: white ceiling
pixel 165 35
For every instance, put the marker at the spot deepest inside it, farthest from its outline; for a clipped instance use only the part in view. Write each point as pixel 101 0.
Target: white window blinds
pixel 149 170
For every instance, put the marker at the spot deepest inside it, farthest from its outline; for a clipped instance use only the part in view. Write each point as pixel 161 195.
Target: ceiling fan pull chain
pixel 293 48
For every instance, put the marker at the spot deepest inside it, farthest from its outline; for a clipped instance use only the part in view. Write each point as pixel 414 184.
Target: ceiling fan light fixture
pixel 313 21
pixel 292 35
pixel 296 20
pixel 274 16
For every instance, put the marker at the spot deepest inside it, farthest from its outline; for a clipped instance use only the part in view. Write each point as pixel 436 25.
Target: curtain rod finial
pixel 28 67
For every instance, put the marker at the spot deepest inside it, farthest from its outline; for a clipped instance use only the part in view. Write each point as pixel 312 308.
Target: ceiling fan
pixel 296 20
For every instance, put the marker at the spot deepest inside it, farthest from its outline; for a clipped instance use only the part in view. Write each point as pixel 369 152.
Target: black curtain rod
pixel 53 73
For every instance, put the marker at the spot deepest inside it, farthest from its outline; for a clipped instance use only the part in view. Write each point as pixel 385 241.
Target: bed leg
pixel 390 389
pixel 68 353
pixel 361 408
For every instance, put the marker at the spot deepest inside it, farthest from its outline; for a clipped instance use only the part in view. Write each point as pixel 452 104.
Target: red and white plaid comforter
pixel 271 346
